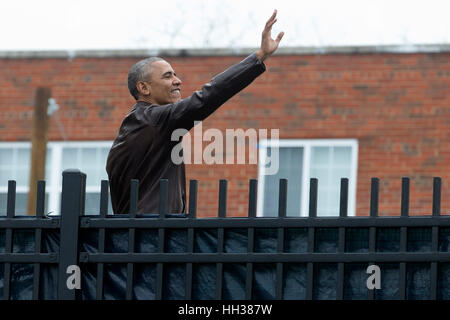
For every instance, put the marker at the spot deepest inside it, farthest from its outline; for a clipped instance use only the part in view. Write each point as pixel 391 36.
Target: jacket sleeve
pixel 204 102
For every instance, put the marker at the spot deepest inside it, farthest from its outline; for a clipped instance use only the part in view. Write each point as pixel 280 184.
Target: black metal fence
pixel 413 251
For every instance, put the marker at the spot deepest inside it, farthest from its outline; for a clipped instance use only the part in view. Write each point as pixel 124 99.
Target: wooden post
pixel 39 138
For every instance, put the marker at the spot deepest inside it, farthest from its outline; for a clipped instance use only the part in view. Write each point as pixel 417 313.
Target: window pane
pixel 333 202
pixel 14 165
pixel 290 167
pixel 5 175
pixel 320 156
pixel 329 173
pixel 103 157
pixel 22 167
pixel 342 155
pixel 323 175
pixel 69 158
pixel 48 165
pixel 23 157
pixel 90 160
pixel 6 157
pixel 6 161
pixel 92 204
pixel 90 165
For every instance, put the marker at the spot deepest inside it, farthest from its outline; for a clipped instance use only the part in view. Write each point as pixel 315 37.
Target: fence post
pixel 72 206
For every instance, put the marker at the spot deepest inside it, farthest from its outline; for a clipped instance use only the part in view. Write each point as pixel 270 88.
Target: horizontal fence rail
pixel 310 257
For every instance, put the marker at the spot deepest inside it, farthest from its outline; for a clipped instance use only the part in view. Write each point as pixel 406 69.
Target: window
pixel 300 160
pixel 89 157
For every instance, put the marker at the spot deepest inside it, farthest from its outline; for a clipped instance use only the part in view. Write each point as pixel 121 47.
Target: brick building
pixel 358 112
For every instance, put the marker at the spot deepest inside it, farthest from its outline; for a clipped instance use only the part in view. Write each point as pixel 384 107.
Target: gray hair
pixel 140 72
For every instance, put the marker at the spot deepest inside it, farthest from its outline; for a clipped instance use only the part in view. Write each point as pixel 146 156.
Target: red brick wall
pixel 396 105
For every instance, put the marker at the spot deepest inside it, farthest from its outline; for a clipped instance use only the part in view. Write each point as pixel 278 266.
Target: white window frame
pixel 307 144
pixel 14 145
pixel 54 184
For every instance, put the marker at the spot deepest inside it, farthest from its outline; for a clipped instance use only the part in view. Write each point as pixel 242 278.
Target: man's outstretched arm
pixel 222 87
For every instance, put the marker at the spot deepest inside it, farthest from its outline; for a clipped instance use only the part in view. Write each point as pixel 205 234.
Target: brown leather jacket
pixel 142 149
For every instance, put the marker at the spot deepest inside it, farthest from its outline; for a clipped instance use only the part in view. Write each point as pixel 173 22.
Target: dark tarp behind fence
pixel 204 275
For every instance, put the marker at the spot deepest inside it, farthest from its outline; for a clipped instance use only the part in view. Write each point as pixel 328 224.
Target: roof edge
pixel 123 53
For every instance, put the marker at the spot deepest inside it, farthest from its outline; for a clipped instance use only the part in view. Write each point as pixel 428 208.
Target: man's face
pixel 164 84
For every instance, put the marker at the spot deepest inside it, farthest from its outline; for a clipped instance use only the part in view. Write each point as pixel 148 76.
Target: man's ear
pixel 143 88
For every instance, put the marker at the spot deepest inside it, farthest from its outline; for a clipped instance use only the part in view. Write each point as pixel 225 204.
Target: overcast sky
pixel 149 24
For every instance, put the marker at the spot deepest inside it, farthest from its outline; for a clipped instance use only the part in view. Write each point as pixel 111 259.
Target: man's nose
pixel 177 81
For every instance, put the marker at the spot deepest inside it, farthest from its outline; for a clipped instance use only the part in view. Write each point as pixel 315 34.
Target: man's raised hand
pixel 269 45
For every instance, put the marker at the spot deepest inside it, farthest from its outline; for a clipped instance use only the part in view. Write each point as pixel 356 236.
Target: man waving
pixel 142 148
